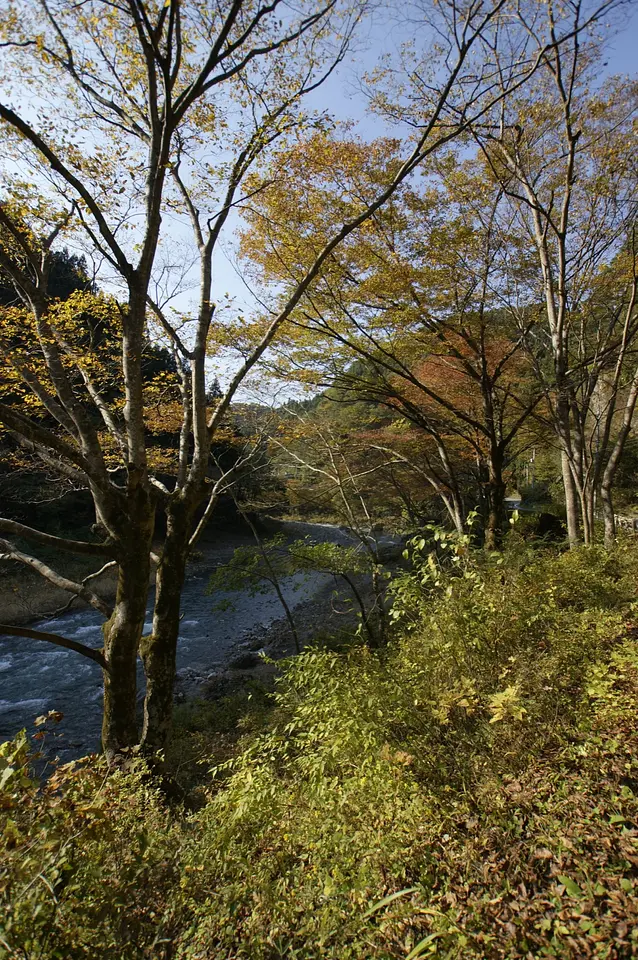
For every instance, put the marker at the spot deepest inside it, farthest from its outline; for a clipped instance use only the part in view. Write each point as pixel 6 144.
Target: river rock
pixel 245 661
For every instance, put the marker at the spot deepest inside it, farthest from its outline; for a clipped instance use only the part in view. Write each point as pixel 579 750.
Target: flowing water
pixel 36 677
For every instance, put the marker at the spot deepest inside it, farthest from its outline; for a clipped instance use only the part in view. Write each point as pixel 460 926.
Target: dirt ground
pixel 25 595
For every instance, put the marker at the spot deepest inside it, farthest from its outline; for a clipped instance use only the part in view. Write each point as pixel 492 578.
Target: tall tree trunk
pixel 571 501
pixel 452 498
pixel 609 474
pixel 495 497
pixel 454 506
pixel 587 513
pixel 159 651
pixel 609 517
pixel 482 479
pixel 122 635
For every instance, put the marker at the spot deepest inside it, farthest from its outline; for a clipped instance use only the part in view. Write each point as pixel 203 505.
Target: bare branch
pixel 18 123
pixel 41 437
pixel 58 641
pixel 10 553
pixel 60 543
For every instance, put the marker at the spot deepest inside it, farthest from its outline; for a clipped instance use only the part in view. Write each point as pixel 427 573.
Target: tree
pixel 575 222
pixel 166 104
pixel 162 112
pixel 214 391
pixel 423 314
pixel 562 154
pixel 335 472
pixel 258 569
pixel 68 273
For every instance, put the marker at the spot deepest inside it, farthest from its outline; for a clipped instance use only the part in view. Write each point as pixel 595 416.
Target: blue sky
pixel 383 33
pixel 623 54
pixel 342 95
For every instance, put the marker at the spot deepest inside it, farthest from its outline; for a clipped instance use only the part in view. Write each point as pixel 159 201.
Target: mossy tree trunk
pixel 123 630
pixel 159 651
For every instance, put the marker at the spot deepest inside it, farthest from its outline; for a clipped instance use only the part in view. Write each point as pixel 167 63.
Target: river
pixel 36 677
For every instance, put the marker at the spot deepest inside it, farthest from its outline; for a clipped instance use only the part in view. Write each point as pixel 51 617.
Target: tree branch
pixel 10 553
pixel 41 437
pixel 48 540
pixel 58 641
pixel 19 124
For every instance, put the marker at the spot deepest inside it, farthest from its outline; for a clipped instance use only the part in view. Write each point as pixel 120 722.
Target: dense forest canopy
pixel 492 299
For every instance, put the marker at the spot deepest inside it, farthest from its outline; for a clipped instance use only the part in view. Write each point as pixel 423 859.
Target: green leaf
pixel 7 773
pixel 389 899
pixel 571 886
pixel 421 945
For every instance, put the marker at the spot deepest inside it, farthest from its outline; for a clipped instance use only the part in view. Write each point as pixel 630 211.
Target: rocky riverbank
pixel 216 649
pixel 26 596
pixel 254 657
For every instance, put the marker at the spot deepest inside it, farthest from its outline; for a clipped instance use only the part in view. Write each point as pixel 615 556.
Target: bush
pixel 84 862
pixel 467 793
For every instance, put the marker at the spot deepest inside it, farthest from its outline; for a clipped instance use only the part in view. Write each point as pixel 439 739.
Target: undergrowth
pixel 469 792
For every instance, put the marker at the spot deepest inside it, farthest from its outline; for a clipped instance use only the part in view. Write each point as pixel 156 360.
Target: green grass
pixel 468 793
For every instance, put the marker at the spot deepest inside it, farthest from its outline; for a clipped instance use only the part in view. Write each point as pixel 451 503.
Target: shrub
pixel 468 792
pixel 86 859
pixel 372 760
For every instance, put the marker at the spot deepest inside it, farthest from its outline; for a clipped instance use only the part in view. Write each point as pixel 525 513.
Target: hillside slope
pixel 468 793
